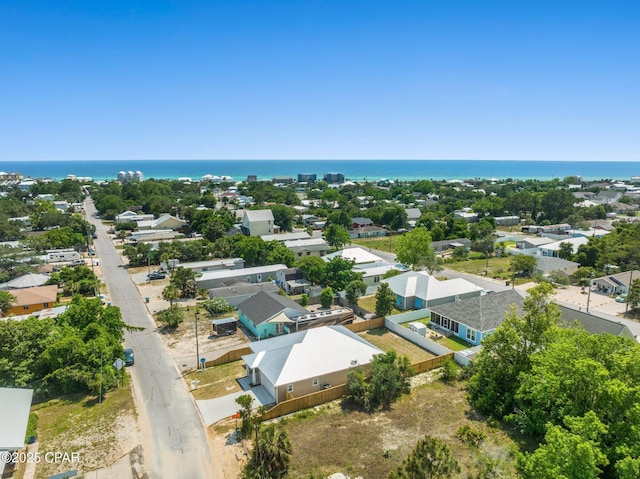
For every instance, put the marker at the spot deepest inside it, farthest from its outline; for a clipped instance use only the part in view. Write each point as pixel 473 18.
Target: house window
pixel 316 381
pixel 454 326
pixel 25 307
pixel 46 305
pixel 471 335
pixel 289 388
pixel 376 279
pixel 279 328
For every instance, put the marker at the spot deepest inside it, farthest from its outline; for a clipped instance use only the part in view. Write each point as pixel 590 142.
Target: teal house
pixel 268 314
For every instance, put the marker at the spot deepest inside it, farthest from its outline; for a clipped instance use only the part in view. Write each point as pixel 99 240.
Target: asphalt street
pixel 176 445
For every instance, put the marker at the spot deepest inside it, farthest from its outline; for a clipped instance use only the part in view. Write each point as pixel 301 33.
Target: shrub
pixel 470 435
pixel 304 299
pixel 172 316
pixel 450 370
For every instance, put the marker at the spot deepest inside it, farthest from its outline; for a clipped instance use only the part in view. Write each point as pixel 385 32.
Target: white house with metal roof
pixel 301 363
pixel 224 277
pixel 418 289
pixel 359 255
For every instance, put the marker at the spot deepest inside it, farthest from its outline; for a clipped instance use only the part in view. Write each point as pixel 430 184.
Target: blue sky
pixel 446 79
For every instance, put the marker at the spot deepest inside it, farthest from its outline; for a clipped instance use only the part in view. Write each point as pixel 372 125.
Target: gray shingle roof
pixel 263 306
pixel 482 313
pixel 592 324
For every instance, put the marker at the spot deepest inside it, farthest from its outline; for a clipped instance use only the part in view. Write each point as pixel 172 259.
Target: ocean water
pixel 356 170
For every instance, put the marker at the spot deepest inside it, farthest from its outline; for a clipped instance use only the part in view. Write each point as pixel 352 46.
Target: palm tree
pixel 271 454
pixel 6 301
pixel 170 293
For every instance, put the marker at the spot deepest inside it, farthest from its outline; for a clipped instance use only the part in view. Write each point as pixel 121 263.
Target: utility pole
pixel 197 344
pixel 626 309
pixel 589 293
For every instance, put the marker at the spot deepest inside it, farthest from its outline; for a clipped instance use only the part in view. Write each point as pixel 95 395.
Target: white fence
pixel 394 323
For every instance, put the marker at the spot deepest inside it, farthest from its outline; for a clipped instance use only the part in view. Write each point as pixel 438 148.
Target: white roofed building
pixel 301 363
pixel 258 223
pixel 356 254
pixel 418 289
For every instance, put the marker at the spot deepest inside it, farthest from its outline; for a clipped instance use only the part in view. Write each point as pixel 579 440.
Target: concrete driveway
pixel 214 410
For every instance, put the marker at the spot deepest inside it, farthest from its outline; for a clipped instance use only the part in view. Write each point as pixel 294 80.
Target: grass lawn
pixel 217 381
pixel 330 439
pixel 369 303
pixel 387 340
pixel 454 343
pixel 498 267
pixel 99 431
pixel 382 243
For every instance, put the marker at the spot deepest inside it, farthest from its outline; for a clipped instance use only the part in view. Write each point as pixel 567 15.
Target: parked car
pixel 128 357
pixel 94 235
pixel 91 252
pixel 622 298
pixel 156 275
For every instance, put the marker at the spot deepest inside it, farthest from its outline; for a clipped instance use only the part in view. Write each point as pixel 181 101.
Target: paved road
pixel 177 446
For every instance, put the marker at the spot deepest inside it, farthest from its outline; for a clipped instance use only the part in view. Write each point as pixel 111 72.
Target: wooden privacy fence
pixel 229 356
pixel 314 399
pixel 429 364
pixel 365 325
pixel 304 402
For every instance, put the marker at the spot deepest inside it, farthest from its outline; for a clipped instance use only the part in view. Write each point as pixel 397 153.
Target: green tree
pixel 565 251
pixel 460 253
pixel 313 268
pixel 414 249
pixel 217 306
pixel 282 216
pixel 170 293
pixel 354 290
pixel 557 205
pixel 245 401
pixel 634 295
pixel 326 297
pixel 271 454
pixel 336 236
pixel 431 459
pixel 389 379
pixel 385 300
pixel 506 352
pixel 338 273
pixel 6 301
pixel 280 254
pixel 572 453
pixel 184 280
pixel 523 266
pixel 172 316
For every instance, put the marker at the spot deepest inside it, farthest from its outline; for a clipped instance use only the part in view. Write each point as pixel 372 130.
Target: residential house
pixel 308 247
pixel 552 249
pixel 258 223
pixel 606 197
pixel 547 264
pixel 291 280
pixel 444 245
pixel 301 363
pixel 163 222
pixel 239 292
pixel 468 216
pixel 214 265
pixel 618 283
pixel 282 237
pixel 507 220
pixel 413 215
pixel 226 277
pixel 472 319
pixel 29 280
pixel 373 273
pixel 30 300
pixel 367 232
pixel 418 289
pixel 265 314
pixel 358 255
pixel 593 323
pixel 132 216
pixel 360 222
pixel 532 243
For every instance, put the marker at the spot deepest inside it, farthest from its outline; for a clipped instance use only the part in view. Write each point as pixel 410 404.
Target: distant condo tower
pixel 334 177
pixel 126 176
pixel 307 177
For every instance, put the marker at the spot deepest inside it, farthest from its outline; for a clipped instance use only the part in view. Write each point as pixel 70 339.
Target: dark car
pixel 128 357
pixel 94 235
pixel 156 275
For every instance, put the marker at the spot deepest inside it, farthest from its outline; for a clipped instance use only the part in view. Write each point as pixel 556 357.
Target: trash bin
pixel 146 299
pixel 507 283
pixel 32 439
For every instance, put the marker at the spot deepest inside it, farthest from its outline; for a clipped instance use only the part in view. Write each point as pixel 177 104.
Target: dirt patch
pixel 229 455
pixel 372 445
